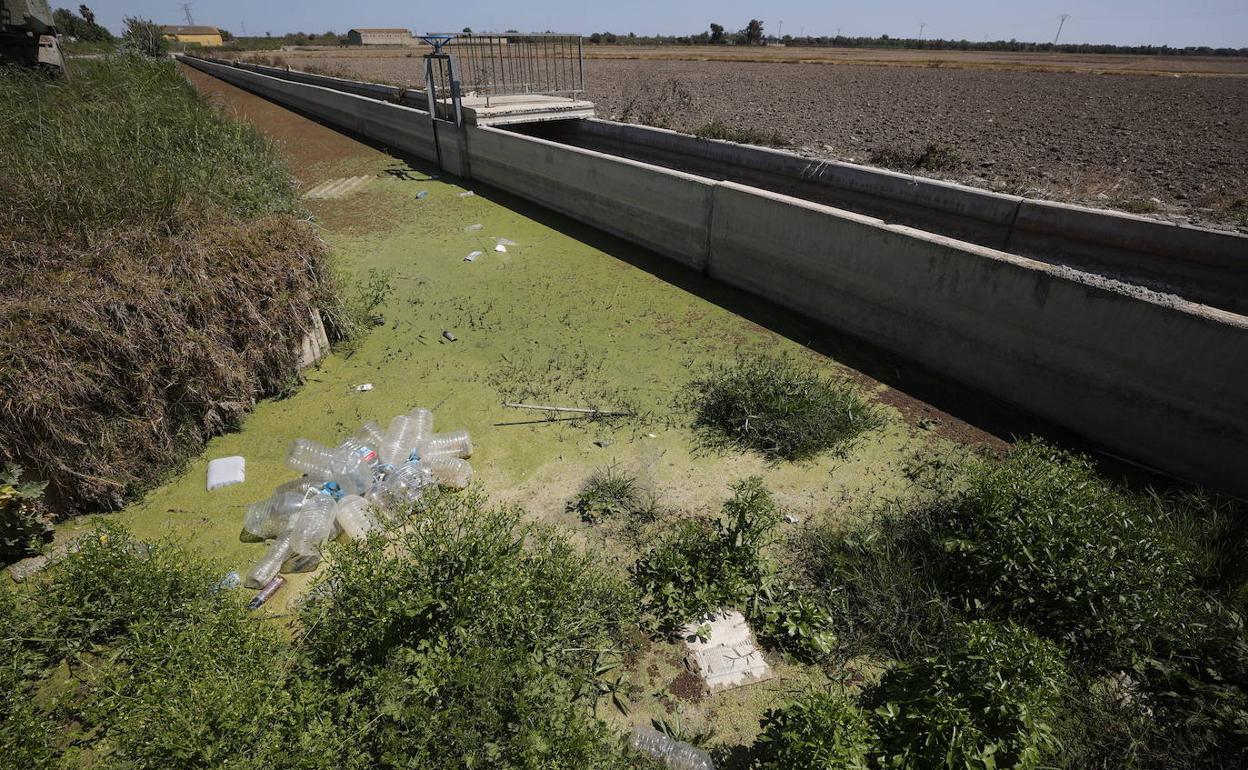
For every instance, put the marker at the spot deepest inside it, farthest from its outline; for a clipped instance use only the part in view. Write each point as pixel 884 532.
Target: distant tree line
pixel 81 25
pixel 752 34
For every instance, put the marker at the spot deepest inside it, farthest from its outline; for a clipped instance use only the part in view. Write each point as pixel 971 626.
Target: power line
pixel 186 11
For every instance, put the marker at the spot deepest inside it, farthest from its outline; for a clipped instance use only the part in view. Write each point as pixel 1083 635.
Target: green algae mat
pixel 559 315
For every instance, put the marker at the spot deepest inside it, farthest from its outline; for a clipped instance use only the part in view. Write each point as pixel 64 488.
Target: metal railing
pixel 510 64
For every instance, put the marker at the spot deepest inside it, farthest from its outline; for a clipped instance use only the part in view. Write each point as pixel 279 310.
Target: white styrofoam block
pixel 728 657
pixel 225 471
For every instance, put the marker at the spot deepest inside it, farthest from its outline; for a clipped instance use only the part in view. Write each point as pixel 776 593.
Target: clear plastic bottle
pixel 676 755
pixel 456 443
pixel 271 563
pixel 313 459
pixel 267 518
pixel 449 472
pixel 354 514
pixel 405 485
pixel 422 424
pixel 399 439
pixel 370 433
pixel 313 528
pixel 356 464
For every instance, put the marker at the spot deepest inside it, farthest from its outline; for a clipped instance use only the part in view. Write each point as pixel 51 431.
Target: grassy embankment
pixel 155 278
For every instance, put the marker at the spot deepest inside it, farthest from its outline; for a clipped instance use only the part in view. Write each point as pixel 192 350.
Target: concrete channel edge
pixel 1150 377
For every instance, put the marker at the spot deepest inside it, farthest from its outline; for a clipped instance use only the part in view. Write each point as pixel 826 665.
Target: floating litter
pixel 225 471
pixel 501 249
pixel 364 387
pixel 422 194
pixel 473 256
pixel 231 581
pixel 450 337
pixel 467 194
pixel 504 242
pixel 472 228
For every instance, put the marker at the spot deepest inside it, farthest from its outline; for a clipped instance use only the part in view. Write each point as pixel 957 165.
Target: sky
pixel 1218 23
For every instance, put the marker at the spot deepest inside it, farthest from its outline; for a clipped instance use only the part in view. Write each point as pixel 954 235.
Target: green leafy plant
pixel 607 493
pixel 775 406
pixel 990 702
pixel 816 731
pixel 1040 537
pixel 471 640
pixel 702 567
pixel 24 522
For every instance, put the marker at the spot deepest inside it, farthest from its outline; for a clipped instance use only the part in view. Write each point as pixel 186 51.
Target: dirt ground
pixel 1161 144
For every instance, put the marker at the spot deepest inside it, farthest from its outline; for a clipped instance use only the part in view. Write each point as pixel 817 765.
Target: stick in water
pixel 574 409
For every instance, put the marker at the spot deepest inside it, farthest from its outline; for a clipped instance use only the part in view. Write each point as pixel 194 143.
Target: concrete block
pixel 1150 377
pixel 728 657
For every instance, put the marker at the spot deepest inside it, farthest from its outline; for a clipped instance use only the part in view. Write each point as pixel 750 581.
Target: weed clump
pixel 606 494
pixel 1131 589
pixel 25 522
pixel 702 567
pixel 935 156
pixel 717 129
pixel 775 406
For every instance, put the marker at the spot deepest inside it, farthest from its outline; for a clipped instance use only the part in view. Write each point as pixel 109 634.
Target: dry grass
pixel 154 280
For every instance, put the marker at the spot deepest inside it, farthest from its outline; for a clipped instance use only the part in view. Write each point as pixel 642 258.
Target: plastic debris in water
pixel 422 194
pixel 674 754
pixel 472 257
pixel 364 388
pixel 367 480
pixel 473 228
pixel 449 336
pixel 467 194
pixel 231 581
pixel 266 593
pixel 225 471
pixel 504 242
pixel 501 249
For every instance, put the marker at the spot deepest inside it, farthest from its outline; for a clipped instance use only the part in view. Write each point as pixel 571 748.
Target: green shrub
pixel 816 731
pixel 700 567
pixel 780 408
pixel 1040 537
pixel 24 521
pixel 991 702
pixel 878 587
pixel 607 493
pixel 125 652
pixel 469 640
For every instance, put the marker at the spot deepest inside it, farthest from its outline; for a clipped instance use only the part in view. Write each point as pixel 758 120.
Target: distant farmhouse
pixel 199 35
pixel 380 37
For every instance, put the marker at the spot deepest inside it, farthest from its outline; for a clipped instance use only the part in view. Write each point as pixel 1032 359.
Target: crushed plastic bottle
pixel 311 530
pixel 453 444
pixel 354 514
pixel 266 593
pixel 473 228
pixel 267 518
pixel 312 459
pixel 405 485
pixel 676 755
pixel 271 563
pixel 449 472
